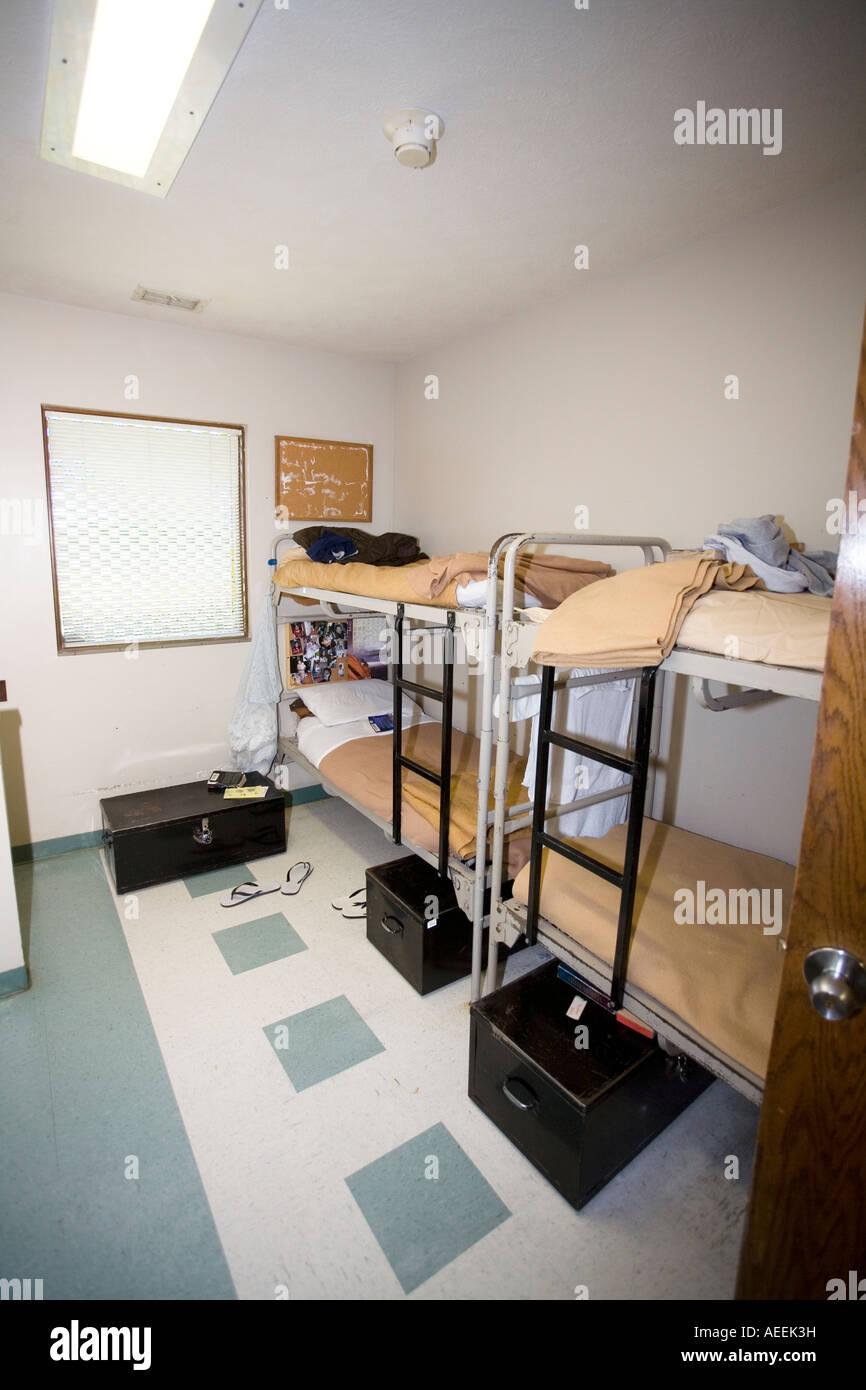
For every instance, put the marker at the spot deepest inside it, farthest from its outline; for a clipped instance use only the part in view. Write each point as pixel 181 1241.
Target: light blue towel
pixel 252 734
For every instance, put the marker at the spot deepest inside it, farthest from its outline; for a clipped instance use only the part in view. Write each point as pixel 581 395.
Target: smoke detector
pixel 413 134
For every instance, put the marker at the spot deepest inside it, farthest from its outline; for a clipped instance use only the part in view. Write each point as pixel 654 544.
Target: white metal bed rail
pixel 512 545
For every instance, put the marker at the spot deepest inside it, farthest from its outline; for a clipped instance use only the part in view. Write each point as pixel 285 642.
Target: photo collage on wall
pixel 318 652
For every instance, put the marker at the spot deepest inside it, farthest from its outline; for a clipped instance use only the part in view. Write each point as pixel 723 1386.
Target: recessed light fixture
pixel 168 301
pixel 413 133
pixel 138 58
pixel 130 83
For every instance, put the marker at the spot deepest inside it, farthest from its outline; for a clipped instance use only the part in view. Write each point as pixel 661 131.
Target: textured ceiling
pixel 559 130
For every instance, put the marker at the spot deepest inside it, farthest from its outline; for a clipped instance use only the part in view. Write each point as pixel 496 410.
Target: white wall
pixel 613 399
pixel 98 724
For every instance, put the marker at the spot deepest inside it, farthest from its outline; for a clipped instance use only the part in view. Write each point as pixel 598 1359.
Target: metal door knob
pixel 837 982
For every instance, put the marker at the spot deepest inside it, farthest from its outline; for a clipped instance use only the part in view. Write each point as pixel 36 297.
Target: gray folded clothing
pixel 819 568
pixel 775 561
pixel 762 536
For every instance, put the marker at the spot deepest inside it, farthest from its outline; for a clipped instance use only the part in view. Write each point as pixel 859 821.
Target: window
pixel 147 529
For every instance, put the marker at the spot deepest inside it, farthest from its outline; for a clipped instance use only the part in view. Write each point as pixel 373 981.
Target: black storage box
pixel 414 920
pixel 578 1114
pixel 155 836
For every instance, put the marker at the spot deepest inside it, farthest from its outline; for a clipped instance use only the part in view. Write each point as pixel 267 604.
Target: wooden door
pixel 806 1224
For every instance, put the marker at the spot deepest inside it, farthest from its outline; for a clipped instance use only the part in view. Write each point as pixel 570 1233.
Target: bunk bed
pixel 367 770
pixel 372 775
pixel 604 907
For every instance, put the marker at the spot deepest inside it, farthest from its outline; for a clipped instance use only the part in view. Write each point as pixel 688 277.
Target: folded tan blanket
pixel 549 578
pixel 368 581
pixel 634 618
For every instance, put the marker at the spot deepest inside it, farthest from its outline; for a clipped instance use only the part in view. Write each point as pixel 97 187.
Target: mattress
pixel 779 629
pixel 359 765
pixel 714 979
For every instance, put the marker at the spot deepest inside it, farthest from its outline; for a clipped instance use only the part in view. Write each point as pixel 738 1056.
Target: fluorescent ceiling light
pixel 139 55
pixel 130 83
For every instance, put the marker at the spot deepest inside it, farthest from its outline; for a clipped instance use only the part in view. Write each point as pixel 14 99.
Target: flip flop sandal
pixel 245 892
pixel 350 900
pixel 356 910
pixel 297 877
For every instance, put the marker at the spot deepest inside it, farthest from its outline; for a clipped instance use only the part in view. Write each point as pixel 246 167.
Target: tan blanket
pixel 548 578
pixel 362 769
pixel 719 980
pixel 634 618
pixel 368 581
pixel 424 796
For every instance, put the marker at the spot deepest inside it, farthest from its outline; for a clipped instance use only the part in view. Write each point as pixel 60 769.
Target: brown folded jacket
pixel 549 578
pixel 634 618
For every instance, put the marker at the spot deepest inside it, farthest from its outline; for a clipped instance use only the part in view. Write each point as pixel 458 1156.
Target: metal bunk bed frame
pixel 470 881
pixel 517 640
pixel 469 878
pixel 508 922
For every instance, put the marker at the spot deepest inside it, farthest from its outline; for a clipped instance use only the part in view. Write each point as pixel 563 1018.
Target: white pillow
pixel 340 702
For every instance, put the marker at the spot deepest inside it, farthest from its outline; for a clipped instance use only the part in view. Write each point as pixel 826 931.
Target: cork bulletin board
pixel 323 479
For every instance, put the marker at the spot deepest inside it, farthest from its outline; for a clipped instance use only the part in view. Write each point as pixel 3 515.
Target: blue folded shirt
pixel 330 547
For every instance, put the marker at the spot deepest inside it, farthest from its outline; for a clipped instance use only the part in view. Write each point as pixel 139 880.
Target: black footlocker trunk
pixel 155 836
pixel 580 1114
pixel 414 920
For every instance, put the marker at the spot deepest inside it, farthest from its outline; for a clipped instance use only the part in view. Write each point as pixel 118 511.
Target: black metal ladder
pixel 445 696
pixel 637 768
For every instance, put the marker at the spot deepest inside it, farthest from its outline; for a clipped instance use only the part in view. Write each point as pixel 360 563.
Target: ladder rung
pixel 585 861
pixel 585 987
pixel 403 684
pixel 595 754
pixel 420 769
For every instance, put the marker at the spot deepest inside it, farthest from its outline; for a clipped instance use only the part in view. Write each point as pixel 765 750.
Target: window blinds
pixel 147 520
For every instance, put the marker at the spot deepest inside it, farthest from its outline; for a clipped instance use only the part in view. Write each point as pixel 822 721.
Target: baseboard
pixel 299 795
pixel 49 849
pixel 14 981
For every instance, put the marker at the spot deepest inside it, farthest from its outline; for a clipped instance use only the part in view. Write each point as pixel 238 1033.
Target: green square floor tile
pixel 321 1042
pixel 220 880
pixel 251 944
pixel 426 1203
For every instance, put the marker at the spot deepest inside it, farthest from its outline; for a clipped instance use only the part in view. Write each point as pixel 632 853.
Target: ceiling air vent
pixel 169 301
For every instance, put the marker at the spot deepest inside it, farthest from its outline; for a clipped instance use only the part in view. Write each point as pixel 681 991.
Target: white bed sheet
pixel 474 595
pixel 316 740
